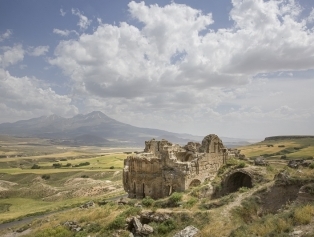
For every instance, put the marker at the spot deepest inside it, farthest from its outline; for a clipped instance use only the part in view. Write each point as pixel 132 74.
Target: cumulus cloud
pixel 11 55
pixel 30 98
pixel 62 12
pixel 175 66
pixel 38 51
pixel 84 22
pixel 5 35
pixel 64 32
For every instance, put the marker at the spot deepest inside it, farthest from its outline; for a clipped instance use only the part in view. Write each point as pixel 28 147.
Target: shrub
pixel 175 198
pixel 166 226
pixel 93 228
pixel 45 176
pixel 56 165
pixel 303 215
pixel 241 165
pixel 117 223
pixel 35 166
pixel 132 211
pixel 283 157
pixel 82 164
pixel 248 210
pixel 111 167
pixel 68 165
pixel 191 202
pixel 281 145
pixel 63 159
pixel 84 176
pixel 243 189
pixel 312 166
pixel 147 201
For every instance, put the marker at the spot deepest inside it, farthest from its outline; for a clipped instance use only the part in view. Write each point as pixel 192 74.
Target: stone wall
pixel 164 168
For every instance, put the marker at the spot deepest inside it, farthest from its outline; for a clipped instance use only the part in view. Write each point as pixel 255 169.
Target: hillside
pixel 279 203
pixel 95 128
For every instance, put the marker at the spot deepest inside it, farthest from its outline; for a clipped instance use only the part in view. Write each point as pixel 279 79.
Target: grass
pixel 193 207
pixel 293 149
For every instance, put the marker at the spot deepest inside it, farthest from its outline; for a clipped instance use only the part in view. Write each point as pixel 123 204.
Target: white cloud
pixel 84 22
pixel 27 97
pixel 64 32
pixel 5 35
pixel 11 55
pixel 38 51
pixel 174 70
pixel 62 12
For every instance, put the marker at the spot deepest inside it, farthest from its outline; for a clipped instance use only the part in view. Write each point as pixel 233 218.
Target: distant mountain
pixel 94 128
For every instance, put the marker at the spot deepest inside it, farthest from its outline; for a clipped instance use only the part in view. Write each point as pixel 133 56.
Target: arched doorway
pixel 134 189
pixel 194 183
pixel 237 180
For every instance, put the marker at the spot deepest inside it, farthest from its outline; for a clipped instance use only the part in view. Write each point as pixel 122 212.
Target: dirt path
pixel 237 202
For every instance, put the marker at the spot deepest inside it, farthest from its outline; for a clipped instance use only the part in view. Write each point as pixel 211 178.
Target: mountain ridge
pixel 95 124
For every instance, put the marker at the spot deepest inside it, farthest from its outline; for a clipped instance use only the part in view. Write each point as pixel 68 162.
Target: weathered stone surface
pixel 164 168
pixel 137 225
pixel 260 161
pixel 146 230
pixel 188 231
pixel 72 225
pixel 87 204
pixel 147 217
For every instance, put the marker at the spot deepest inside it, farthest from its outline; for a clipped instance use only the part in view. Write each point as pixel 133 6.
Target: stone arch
pixel 194 183
pixel 236 180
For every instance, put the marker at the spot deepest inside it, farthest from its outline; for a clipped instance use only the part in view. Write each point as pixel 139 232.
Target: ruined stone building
pixel 164 168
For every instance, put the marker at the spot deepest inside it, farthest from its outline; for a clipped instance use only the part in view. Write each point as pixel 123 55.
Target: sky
pixel 236 68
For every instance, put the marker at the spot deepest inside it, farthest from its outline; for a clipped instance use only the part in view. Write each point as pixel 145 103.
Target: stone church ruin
pixel 164 168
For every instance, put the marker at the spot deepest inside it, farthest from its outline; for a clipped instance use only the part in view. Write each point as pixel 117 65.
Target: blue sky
pixel 237 68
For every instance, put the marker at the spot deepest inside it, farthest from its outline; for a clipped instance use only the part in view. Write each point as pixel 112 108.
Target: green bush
pixel 241 165
pixel 166 226
pixel 147 201
pixel 45 176
pixel 312 166
pixel 175 198
pixel 117 223
pixel 35 166
pixel 56 165
pixel 82 164
pixel 93 228
pixel 191 202
pixel 84 176
pixel 111 167
pixel 68 165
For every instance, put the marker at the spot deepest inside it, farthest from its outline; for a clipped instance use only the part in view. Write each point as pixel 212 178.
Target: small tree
pixel 45 176
pixel 35 166
pixel 56 165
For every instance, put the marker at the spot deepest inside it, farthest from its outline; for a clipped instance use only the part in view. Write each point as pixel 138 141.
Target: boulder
pixel 146 230
pixel 293 164
pixel 188 231
pixel 87 204
pixel 260 161
pixel 137 225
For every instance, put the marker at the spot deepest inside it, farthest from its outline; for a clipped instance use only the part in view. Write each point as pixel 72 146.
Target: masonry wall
pixel 165 168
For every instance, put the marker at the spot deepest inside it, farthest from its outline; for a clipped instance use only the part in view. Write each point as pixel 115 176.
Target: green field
pixel 302 148
pixel 62 177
